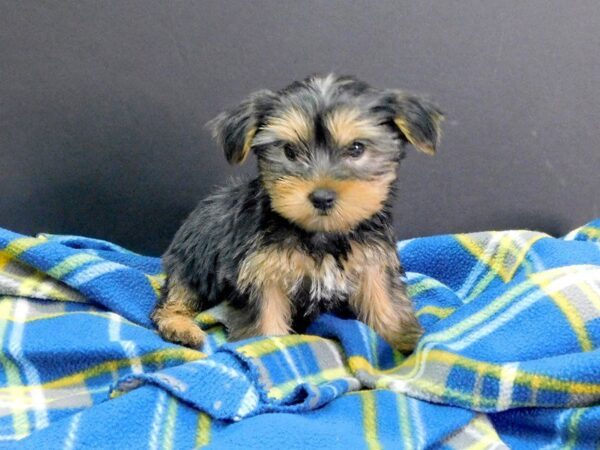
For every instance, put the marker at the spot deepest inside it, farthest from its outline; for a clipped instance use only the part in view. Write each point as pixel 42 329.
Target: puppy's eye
pixel 290 152
pixel 355 149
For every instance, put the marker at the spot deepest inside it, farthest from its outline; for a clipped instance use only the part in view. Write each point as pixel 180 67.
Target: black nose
pixel 322 199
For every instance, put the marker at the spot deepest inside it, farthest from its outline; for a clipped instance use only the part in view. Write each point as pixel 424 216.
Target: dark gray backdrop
pixel 102 105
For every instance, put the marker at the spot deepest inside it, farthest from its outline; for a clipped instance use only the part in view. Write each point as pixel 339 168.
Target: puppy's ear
pixel 418 119
pixel 234 129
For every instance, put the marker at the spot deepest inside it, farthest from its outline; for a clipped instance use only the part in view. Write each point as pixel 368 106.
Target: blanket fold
pixel 510 356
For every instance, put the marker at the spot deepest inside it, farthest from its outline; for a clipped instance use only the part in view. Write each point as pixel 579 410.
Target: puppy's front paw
pixel 181 329
pixel 403 338
pixel 398 326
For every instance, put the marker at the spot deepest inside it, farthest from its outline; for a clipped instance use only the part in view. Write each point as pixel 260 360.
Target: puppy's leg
pixel 269 312
pixel 274 311
pixel 381 302
pixel 265 307
pixel 174 314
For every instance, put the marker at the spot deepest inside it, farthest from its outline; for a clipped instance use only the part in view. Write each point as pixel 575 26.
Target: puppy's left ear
pixel 234 129
pixel 417 118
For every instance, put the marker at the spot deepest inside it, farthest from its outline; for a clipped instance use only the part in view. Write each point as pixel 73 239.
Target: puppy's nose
pixel 322 199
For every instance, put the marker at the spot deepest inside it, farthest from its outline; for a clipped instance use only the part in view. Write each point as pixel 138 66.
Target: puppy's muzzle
pixel 322 199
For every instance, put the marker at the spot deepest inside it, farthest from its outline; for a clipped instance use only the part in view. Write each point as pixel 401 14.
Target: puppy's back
pixel 206 251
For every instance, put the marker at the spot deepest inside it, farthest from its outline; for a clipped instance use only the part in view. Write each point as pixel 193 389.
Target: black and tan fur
pixel 271 249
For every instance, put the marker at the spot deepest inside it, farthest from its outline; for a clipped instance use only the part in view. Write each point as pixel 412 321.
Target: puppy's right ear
pixel 418 119
pixel 234 129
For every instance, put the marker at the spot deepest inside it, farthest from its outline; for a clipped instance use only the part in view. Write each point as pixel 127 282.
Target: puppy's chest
pixel 300 275
pixel 319 280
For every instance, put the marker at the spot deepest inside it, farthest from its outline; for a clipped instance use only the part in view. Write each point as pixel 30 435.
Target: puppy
pixel 313 232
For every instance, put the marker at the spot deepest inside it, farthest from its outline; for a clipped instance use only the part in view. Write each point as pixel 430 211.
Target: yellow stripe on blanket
pixel 18 246
pixel 437 311
pixel 203 430
pixel 370 419
pixel 280 391
pixel 523 378
pixel 590 232
pixel 157 357
pixel 273 344
pixel 16 396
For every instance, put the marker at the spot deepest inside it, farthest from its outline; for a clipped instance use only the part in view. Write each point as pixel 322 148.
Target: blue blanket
pixel 510 356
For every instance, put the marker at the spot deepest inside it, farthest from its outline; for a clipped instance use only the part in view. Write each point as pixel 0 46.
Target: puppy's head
pixel 328 147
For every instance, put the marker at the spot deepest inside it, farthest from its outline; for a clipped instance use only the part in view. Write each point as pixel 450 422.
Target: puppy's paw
pixel 181 329
pixel 404 339
pixel 401 330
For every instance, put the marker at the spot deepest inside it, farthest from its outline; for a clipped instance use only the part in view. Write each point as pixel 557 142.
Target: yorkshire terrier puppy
pixel 313 232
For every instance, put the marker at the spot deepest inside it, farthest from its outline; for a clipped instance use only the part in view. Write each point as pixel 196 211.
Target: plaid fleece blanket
pixel 510 357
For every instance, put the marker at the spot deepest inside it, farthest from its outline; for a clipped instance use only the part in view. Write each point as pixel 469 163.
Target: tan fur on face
pixel 346 126
pixel 292 125
pixel 357 200
pixel 174 317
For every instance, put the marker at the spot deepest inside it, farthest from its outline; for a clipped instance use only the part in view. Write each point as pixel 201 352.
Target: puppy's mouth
pixel 326 204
